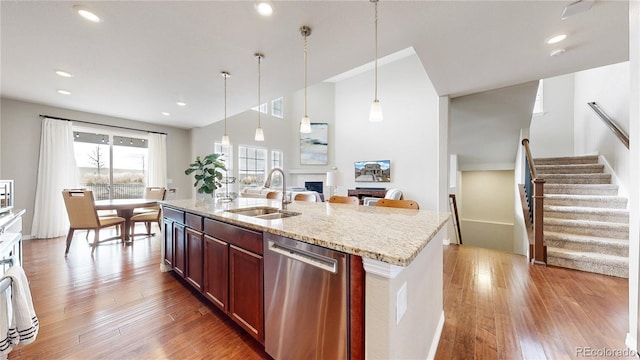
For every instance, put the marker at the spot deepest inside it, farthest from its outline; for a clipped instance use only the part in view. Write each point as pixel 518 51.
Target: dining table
pixel 124 209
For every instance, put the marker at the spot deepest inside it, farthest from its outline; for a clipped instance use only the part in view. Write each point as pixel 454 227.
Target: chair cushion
pixel 110 220
pixel 150 216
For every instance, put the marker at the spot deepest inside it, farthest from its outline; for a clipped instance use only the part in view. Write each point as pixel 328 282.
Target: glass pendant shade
pixel 225 139
pixel 259 134
pixel 376 112
pixel 305 125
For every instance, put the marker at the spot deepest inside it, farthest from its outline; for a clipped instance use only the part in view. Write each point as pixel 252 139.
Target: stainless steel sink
pixel 263 212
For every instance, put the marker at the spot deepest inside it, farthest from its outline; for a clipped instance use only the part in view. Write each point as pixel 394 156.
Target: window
pixel 537 106
pixel 112 166
pixel 276 159
pixel 262 108
pixel 227 156
pixel 276 108
pixel 252 165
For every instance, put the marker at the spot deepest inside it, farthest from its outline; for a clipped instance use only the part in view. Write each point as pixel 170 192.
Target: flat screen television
pixel 6 195
pixel 316 186
pixel 373 171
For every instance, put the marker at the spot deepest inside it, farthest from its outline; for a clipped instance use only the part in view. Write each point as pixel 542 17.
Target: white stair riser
pixel 620 249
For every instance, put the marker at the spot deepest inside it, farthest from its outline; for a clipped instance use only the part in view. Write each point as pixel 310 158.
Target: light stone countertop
pixel 394 236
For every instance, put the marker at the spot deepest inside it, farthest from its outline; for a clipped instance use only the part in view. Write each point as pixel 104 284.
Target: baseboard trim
pixel 436 338
pixel 631 343
pixel 446 242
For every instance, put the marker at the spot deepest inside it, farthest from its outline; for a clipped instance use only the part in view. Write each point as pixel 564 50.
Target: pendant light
pixel 376 109
pixel 305 124
pixel 259 133
pixel 225 137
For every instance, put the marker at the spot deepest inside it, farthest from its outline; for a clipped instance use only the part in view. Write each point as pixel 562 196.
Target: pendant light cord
pixel 305 75
pixel 259 105
pixel 225 104
pixel 376 50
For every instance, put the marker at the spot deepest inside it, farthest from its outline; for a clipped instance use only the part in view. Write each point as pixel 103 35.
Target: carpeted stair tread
pixel 575 178
pixel 585 243
pixel 587 213
pixel 581 189
pixel 599 263
pixel 586 227
pixel 585 159
pixel 571 169
pixel 613 202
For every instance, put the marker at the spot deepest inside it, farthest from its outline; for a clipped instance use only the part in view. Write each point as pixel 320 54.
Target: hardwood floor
pixel 118 305
pixel 497 306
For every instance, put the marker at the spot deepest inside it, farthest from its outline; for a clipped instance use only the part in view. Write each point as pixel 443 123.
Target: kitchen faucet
pixel 267 184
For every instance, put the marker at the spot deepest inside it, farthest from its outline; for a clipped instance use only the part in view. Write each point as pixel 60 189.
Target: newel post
pixel 539 250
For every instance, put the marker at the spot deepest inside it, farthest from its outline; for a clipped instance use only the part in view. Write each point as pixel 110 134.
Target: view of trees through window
pixel 121 176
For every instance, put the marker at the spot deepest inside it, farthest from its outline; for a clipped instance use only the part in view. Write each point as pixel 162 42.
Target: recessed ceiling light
pixel 166 113
pixel 556 38
pixel 557 52
pixel 180 103
pixel 264 8
pixel 87 13
pixel 64 92
pixel 63 73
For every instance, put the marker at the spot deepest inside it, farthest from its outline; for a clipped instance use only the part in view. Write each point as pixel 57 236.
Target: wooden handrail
pixel 532 166
pixel 619 133
pixel 538 249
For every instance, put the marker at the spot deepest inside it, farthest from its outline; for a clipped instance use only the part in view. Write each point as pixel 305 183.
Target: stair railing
pixel 619 133
pixel 537 250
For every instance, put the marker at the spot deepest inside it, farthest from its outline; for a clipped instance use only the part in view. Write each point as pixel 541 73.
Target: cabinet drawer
pixel 244 238
pixel 193 221
pixel 173 214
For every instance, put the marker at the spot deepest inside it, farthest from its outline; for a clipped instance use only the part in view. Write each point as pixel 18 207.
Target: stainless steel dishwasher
pixel 306 296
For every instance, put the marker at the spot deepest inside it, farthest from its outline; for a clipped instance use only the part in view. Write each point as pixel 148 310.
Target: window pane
pixel 129 171
pixel 93 161
pixel 276 108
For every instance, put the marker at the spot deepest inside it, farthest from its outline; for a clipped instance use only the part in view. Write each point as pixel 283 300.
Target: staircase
pixel 586 224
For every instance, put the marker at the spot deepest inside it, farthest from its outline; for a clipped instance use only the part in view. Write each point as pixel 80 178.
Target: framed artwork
pixel 373 171
pixel 314 146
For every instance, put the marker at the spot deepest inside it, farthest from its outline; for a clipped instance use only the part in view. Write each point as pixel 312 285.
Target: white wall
pixel 551 133
pixel 609 87
pixel 633 337
pixel 486 209
pixel 408 136
pixel 20 148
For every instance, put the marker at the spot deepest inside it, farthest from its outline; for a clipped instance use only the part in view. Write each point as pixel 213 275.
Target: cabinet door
pixel 216 260
pixel 167 235
pixel 245 291
pixel 179 253
pixel 194 263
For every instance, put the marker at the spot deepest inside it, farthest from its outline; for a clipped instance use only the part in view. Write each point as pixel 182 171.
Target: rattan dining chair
pixel 152 213
pixel 337 199
pixel 82 214
pixel 405 204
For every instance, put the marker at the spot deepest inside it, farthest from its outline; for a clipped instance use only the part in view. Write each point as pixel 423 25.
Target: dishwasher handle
pixel 307 257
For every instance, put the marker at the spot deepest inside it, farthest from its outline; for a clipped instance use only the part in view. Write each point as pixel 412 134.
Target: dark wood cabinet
pixel 245 291
pixel 179 253
pixel 167 238
pixel 216 265
pixel 194 263
pixel 222 261
pixel 362 193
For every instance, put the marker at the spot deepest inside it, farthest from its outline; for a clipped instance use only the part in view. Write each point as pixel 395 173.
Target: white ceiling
pixel 146 55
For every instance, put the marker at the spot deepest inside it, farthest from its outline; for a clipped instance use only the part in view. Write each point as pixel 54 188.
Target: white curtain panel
pixel 157 175
pixel 57 170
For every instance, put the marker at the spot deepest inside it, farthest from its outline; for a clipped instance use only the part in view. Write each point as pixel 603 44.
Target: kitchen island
pixel 400 251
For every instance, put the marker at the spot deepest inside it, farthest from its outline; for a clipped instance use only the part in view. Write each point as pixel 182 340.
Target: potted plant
pixel 208 173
